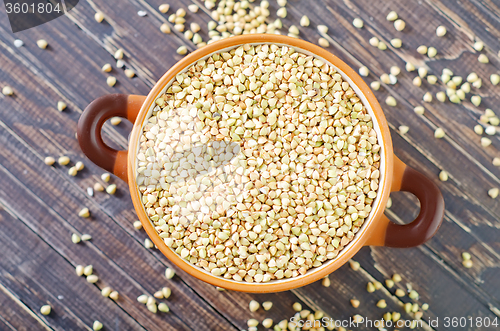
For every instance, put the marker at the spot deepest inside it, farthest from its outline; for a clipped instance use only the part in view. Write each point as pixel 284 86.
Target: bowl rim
pixel 370 224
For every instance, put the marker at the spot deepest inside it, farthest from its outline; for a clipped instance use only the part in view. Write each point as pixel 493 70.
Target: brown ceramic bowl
pixel 377 229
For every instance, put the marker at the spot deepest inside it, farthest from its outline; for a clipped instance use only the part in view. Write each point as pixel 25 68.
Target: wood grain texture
pixel 73 305
pixel 69 70
pixel 123 272
pixel 68 213
pixel 15 315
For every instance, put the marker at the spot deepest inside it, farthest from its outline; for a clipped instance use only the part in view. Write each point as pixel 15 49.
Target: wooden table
pixel 39 204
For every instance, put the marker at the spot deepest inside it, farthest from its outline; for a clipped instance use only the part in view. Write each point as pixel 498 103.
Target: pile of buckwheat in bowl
pixel 258 163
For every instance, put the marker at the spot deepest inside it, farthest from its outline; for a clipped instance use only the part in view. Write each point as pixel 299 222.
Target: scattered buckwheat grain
pixel 427 97
pixel 106 291
pixel 323 29
pixel 267 305
pixel 392 16
pixel 111 189
pixel 419 110
pixel 169 273
pixel 358 23
pixel 75 238
pixel 431 52
pixel 115 120
pixel 304 21
pixel 363 71
pixel 323 42
pixel 45 310
pixel 439 133
pixel 375 85
pixel 96 326
pixel 42 43
pixel 374 41
pixel 443 176
pixel 111 81
pixel 106 68
pixel 92 279
pixel 7 91
pixel 163 307
pixel 467 264
pixel 391 101
pixel 148 243
pixel 422 49
pixel 193 8
pixel 63 160
pixel 79 270
pixel 99 17
pixel 114 295
pixel 478 46
pixel 49 160
pixel 482 58
pixel 86 237
pixel 399 25
pixel 441 31
pixel 267 323
pixel 495 79
pixel 85 213
pixel 61 105
pixel 182 50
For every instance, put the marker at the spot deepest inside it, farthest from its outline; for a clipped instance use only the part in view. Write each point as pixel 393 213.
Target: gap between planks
pixel 23 306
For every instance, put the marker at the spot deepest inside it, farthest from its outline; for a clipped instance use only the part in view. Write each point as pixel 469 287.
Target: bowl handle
pixel 90 125
pixel 423 228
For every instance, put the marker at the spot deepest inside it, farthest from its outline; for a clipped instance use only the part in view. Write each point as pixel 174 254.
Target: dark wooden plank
pixel 346 24
pixel 123 272
pixel 39 275
pixel 49 143
pixel 15 315
pixel 461 142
